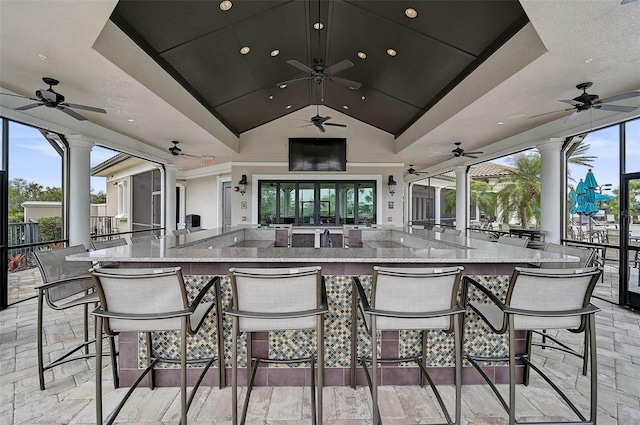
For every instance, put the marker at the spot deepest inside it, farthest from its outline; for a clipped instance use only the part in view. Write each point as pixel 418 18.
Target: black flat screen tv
pixel 317 154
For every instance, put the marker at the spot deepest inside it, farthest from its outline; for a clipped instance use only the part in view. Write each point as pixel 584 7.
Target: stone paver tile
pixel 628 416
pixel 352 404
pixel 628 384
pixel 172 413
pixel 286 404
pixel 63 412
pixel 218 405
pixel 419 404
pixel 481 400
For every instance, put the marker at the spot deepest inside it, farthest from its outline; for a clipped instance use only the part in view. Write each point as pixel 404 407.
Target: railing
pixel 103 225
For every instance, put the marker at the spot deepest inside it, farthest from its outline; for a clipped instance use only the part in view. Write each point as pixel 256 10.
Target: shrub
pixel 49 229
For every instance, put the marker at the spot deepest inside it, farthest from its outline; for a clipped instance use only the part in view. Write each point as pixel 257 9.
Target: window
pixel 122 200
pixel 308 203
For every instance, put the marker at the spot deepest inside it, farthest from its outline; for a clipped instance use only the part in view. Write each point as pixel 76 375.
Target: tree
pixel 98 198
pixel 21 191
pixel 520 195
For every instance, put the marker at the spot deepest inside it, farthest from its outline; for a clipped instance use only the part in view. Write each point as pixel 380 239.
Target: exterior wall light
pixel 392 185
pixel 242 184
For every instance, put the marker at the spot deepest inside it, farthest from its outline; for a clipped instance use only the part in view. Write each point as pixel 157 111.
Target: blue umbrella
pixel 574 202
pixel 603 198
pixel 590 186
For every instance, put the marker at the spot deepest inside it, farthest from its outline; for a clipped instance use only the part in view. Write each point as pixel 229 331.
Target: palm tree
pixel 520 195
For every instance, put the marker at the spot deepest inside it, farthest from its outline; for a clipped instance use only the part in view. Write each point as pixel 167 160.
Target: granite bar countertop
pixel 397 245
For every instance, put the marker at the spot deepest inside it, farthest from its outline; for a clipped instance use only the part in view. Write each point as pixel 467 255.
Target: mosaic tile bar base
pixel 477 339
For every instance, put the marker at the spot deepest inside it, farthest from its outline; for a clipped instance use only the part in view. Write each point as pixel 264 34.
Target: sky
pixel 604 146
pixel 32 158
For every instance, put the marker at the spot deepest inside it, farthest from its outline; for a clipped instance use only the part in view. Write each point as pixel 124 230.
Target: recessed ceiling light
pixel 287 107
pixel 271 97
pixel 500 122
pixel 275 52
pixel 411 13
pixel 363 97
pixel 391 52
pixel 318 25
pixel 130 119
pixel 345 107
pixel 362 55
pixel 283 86
pixel 588 60
pixel 518 115
pixel 225 5
pixel 245 50
pixel 42 57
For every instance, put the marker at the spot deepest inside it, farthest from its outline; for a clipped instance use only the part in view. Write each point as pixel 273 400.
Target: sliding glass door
pixel 309 203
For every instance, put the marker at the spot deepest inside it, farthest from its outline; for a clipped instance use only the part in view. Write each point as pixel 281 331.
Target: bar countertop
pixel 390 245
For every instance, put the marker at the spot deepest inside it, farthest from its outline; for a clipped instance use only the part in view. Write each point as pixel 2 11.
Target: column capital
pixel 460 170
pixel 553 144
pixel 78 141
pixel 171 167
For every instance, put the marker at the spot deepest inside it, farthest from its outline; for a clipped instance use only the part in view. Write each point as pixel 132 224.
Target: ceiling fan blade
pixel 473 153
pixel 620 97
pixel 295 80
pixel 321 128
pixel 84 107
pixel 470 156
pixel 571 102
pixel 72 113
pixel 30 106
pixel 306 125
pixel 571 117
pixel 323 119
pixel 191 156
pixel 335 125
pixel 627 1
pixel 615 108
pixel 339 67
pixel 300 66
pixel 17 95
pixel 552 112
pixel 351 84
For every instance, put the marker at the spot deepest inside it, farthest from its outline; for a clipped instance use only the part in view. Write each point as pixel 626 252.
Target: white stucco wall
pixel 201 196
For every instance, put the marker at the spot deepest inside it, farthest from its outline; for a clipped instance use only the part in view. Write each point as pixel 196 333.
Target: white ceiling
pixel 98 66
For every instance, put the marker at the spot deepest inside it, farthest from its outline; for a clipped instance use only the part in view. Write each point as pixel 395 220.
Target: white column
pixel 550 189
pixel 169 195
pixel 79 190
pixel 436 205
pixel 462 198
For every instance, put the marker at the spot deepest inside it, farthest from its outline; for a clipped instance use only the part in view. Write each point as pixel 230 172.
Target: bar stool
pixel 275 300
pixel 538 300
pixel 510 240
pixel 409 299
pixel 152 300
pixel 66 284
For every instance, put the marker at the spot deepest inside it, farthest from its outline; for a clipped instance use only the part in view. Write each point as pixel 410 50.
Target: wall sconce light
pixel 392 185
pixel 243 184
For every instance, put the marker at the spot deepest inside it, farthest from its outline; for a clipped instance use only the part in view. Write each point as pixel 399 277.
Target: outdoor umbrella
pixel 574 202
pixel 586 193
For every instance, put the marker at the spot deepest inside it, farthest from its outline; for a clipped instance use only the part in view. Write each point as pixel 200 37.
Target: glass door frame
pixel 626 297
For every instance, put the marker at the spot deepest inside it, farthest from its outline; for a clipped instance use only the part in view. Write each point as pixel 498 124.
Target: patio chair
pixel 586 255
pixel 178 232
pixel 537 300
pixel 481 236
pixel 66 284
pixel 277 299
pixel 194 229
pixel 418 299
pixel 451 231
pixel 143 237
pixel 152 300
pixel 510 240
pixel 438 229
pixel 112 243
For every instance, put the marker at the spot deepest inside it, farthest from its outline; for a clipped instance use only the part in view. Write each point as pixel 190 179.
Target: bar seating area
pixel 343 405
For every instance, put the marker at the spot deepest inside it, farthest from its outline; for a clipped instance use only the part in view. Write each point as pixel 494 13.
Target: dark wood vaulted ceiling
pixel 199 45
